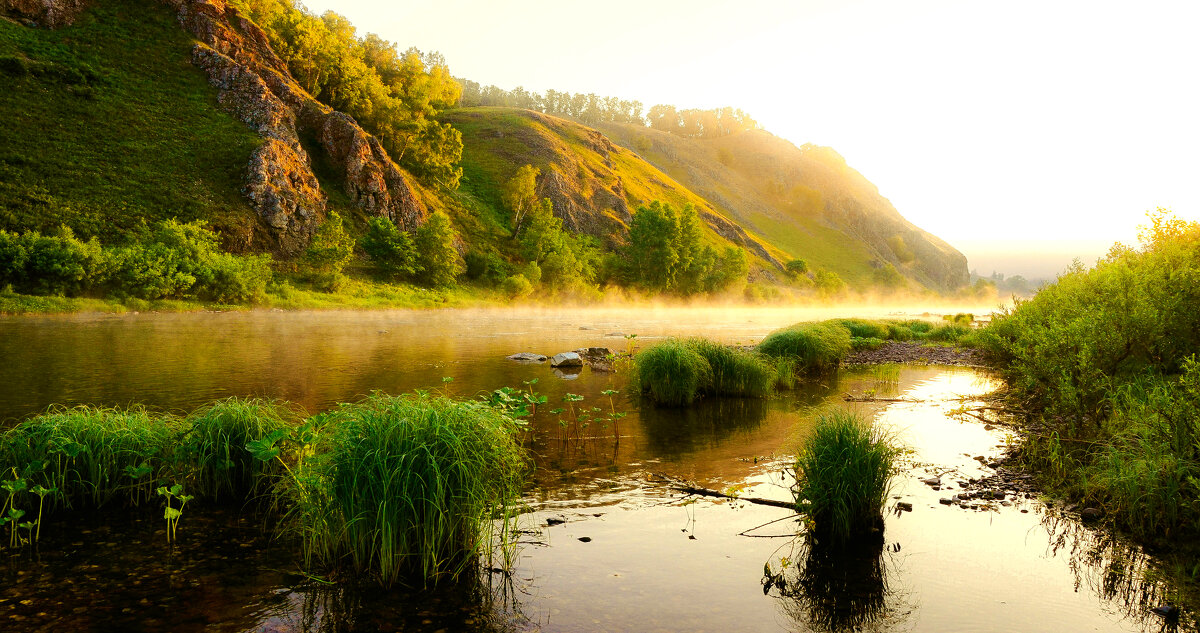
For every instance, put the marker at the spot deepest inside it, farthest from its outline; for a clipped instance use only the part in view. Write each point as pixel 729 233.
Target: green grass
pixel 215 446
pixel 676 372
pixel 843 476
pixel 407 486
pixel 672 373
pixel 121 128
pixel 815 347
pixel 92 456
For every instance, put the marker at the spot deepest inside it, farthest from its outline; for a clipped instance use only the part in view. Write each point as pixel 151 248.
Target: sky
pixel 1023 133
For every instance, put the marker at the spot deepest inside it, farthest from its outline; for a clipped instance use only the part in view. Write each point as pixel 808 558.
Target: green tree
pixel 328 253
pixel 652 253
pixel 389 247
pixel 520 195
pixel 438 263
pixel 796 267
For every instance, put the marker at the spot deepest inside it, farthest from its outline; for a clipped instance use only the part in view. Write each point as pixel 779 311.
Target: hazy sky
pixel 998 126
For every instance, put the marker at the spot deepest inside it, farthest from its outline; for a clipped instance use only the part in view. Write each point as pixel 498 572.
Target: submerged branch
pixel 692 489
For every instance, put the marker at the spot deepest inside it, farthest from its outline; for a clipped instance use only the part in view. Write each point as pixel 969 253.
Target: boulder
pixel 566 359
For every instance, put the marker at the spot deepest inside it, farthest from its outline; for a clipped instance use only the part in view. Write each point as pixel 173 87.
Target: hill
pixel 128 112
pixel 805 201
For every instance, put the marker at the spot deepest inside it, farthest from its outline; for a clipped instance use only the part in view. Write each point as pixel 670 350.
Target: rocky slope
pixel 254 86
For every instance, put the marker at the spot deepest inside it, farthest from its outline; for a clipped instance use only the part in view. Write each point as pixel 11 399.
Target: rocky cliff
pixel 253 84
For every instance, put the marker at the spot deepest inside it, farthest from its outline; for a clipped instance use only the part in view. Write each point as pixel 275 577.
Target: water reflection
pixel 820 587
pixel 1129 581
pixel 671 432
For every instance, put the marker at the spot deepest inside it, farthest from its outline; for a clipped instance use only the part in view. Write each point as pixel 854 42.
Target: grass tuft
pixel 816 347
pixel 843 474
pixel 216 446
pixel 407 485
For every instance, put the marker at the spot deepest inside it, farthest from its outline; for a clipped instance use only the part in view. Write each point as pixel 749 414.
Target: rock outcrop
pixel 254 85
pixel 51 14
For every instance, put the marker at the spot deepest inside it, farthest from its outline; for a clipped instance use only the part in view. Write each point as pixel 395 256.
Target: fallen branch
pixel 691 489
pixel 853 398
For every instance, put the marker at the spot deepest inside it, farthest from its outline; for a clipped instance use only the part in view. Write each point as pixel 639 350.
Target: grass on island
pixel 843 474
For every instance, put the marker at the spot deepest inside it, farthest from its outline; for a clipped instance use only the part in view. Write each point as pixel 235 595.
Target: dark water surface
pixel 608 546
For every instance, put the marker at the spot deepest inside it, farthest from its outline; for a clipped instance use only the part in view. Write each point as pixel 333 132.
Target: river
pixel 607 544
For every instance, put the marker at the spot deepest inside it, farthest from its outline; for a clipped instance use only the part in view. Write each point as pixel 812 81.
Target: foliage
pixel 796 267
pixel 665 253
pixel 567 262
pixel 438 263
pixel 517 287
pixel 488 266
pixel 216 440
pixel 520 195
pixel 843 475
pixel 828 283
pixel 1105 359
pixel 407 485
pixel 389 247
pixel 395 96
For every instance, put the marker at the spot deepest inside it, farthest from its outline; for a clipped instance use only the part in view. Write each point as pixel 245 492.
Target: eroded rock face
pixel 50 14
pixel 254 85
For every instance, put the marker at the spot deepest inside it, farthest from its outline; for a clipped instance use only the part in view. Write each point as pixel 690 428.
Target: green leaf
pixel 172 513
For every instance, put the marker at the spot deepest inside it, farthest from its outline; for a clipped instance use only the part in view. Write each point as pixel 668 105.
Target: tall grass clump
pixel 91 456
pixel 734 371
pixel 215 446
pixel 672 373
pixel 407 486
pixel 843 476
pixel 816 347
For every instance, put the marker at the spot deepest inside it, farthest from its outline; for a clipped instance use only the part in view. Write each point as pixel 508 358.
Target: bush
pixel 487 267
pixel 408 485
pixel 389 247
pixel 844 473
pixel 517 287
pixel 437 260
pixel 330 250
pixel 62 264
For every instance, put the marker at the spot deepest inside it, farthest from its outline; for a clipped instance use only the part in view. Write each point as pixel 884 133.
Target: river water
pixel 607 544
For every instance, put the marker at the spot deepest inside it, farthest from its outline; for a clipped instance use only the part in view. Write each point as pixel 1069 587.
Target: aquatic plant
pixel 405 486
pixel 89 454
pixel 216 446
pixel 734 371
pixel 671 373
pixel 170 513
pixel 843 474
pixel 817 347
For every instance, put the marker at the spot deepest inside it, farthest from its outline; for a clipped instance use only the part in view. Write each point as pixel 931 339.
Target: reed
pixel 92 456
pixel 844 472
pixel 407 486
pixel 672 373
pixel 734 371
pixel 215 446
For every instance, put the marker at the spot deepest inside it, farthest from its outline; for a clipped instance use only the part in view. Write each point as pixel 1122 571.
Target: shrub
pixel 389 247
pixel 843 475
pixel 517 286
pixel 12 259
pixel 408 485
pixel 236 278
pixel 488 267
pixel 61 264
pixel 331 248
pixel 437 260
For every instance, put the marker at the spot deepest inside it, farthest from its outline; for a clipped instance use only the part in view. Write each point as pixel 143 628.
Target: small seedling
pixel 172 514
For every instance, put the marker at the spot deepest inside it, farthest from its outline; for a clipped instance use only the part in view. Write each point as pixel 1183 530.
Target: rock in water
pixel 566 359
pixel 527 357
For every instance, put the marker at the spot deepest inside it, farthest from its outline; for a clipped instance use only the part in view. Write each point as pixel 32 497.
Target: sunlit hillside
pixel 806 201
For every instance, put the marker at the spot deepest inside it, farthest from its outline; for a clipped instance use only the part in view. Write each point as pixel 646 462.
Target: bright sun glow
pixel 1015 127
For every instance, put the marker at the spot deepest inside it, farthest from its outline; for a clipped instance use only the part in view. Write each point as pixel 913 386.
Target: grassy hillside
pixel 806 201
pixel 600 183
pixel 107 124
